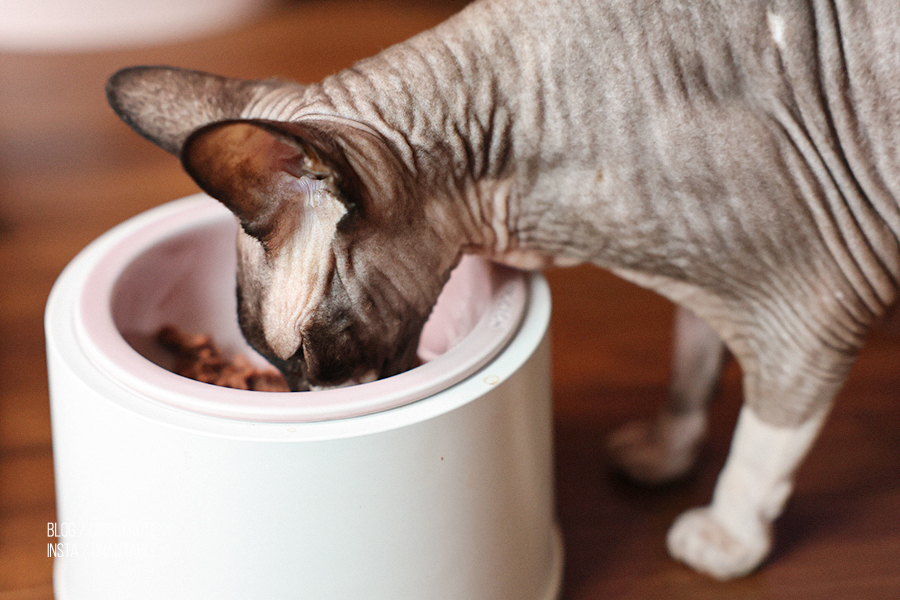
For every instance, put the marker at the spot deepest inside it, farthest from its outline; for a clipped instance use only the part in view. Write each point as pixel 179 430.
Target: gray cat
pixel 738 157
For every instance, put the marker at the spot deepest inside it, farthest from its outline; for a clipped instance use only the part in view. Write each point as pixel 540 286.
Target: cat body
pixel 736 157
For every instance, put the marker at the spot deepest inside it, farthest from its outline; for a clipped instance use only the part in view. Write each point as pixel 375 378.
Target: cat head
pixel 338 267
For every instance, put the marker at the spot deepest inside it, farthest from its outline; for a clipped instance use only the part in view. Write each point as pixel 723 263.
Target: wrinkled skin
pixel 738 157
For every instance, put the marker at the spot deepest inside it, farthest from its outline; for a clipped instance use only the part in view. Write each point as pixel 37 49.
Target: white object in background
pixel 79 25
pixel 400 489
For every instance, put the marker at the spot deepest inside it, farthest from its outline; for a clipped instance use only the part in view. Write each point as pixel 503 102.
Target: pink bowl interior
pixel 178 269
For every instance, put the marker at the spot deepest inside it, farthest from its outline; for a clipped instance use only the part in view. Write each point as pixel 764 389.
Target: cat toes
pixel 638 454
pixel 649 453
pixel 698 539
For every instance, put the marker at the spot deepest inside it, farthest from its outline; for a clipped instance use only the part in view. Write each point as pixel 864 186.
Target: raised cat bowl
pixel 435 483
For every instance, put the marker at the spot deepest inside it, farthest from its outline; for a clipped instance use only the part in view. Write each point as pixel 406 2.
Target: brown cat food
pixel 197 357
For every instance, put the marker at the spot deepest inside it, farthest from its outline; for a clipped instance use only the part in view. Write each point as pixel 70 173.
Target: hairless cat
pixel 737 156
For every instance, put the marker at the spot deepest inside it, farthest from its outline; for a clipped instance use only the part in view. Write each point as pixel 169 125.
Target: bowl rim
pixel 108 350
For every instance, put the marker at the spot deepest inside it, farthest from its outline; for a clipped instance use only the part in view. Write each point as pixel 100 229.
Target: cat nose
pixel 297 383
pixel 293 369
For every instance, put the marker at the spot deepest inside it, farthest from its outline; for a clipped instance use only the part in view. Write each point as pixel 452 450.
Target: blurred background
pixel 70 170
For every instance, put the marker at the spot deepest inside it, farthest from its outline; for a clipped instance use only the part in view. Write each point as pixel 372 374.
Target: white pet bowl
pixel 435 483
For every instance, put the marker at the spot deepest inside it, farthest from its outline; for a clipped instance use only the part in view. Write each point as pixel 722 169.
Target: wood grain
pixel 69 170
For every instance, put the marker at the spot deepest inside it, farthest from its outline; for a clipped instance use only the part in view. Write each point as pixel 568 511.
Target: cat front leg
pixel 795 355
pixel 731 537
pixel 665 449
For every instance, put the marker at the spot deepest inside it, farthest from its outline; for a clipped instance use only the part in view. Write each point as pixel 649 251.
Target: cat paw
pixel 656 453
pixel 699 540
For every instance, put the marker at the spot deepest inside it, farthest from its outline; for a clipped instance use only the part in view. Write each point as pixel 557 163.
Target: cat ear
pixel 165 104
pixel 258 168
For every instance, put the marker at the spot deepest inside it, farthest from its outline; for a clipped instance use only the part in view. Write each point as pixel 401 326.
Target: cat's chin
pixel 366 378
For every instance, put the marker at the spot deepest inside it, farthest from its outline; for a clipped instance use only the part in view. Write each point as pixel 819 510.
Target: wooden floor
pixel 69 171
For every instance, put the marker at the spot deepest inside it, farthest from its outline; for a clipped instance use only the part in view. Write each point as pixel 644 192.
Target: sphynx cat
pixel 739 157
